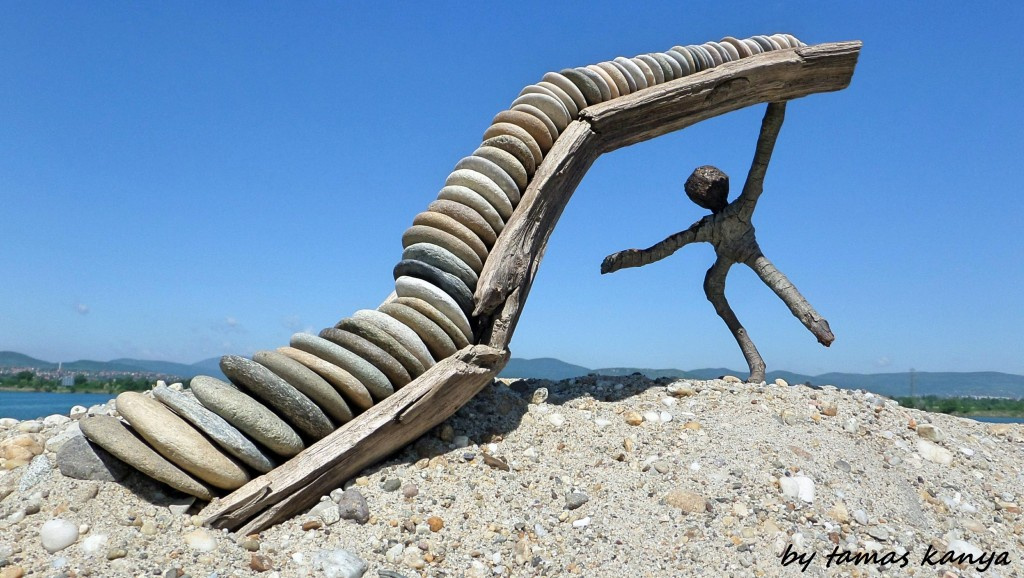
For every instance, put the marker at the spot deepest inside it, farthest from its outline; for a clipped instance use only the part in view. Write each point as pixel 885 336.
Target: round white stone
pixel 57 534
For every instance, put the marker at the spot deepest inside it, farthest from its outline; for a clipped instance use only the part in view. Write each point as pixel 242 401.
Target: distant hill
pixel 542 368
pixel 123 365
pixel 14 359
pixel 942 384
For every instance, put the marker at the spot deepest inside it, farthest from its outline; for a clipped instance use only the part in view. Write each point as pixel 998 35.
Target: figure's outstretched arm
pixel 714 288
pixel 754 185
pixel 641 257
pixel 796 302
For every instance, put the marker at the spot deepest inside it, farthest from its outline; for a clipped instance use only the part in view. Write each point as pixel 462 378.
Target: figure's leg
pixel 786 291
pixel 714 288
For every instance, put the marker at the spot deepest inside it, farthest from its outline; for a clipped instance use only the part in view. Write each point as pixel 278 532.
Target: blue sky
pixel 184 180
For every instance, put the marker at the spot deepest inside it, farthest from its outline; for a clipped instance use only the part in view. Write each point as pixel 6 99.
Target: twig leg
pixel 796 302
pixel 714 288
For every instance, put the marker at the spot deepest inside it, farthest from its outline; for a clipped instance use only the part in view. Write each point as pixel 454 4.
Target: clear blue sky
pixel 184 180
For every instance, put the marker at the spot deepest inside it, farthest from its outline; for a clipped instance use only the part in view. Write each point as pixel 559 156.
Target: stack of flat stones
pixel 217 436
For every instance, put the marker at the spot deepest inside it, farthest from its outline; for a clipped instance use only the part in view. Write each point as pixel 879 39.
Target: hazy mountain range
pixel 945 384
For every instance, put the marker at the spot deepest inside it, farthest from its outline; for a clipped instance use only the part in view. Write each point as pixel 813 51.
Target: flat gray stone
pixel 289 403
pixel 681 54
pixel 569 87
pixel 763 41
pixel 354 392
pixel 468 217
pixel 443 259
pixel 508 164
pixel 387 364
pixel 385 341
pixel 412 287
pixel 668 64
pixel 634 70
pixel 248 415
pixel 82 460
pixel 549 125
pixel 372 379
pixel 532 125
pixel 630 82
pixel 562 96
pixel 475 201
pixel 588 88
pixel 730 49
pixel 613 87
pixel 548 89
pixel 753 46
pixel 215 427
pixel 599 82
pixel 485 187
pixel 434 236
pixel 649 75
pixel 179 442
pixel 453 227
pixel 493 172
pixel 716 56
pixel 403 334
pixel 617 76
pixel 437 317
pixel 308 382
pixel 514 147
pixel 742 50
pixel 108 433
pixel 440 345
pixel 516 131
pixel 447 282
pixel 550 105
pixel 781 40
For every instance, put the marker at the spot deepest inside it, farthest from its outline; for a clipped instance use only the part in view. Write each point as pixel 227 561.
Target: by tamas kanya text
pixel 931 557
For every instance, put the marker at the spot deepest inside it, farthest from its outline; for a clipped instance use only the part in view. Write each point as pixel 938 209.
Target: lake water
pixel 35 404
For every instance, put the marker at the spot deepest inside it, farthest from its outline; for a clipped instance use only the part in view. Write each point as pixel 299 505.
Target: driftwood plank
pixel 374 434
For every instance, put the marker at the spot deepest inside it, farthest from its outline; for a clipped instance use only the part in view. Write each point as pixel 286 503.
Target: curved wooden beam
pixel 770 77
pixel 508 274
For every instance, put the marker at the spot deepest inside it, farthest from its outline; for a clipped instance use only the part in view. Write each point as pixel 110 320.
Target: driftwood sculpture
pixel 729 229
pixel 382 377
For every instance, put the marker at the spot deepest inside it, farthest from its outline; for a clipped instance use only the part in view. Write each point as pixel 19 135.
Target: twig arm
pixel 714 289
pixel 640 257
pixel 796 302
pixel 774 115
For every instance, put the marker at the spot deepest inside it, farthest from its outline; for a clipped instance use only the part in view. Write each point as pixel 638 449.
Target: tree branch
pixel 714 288
pixel 641 257
pixel 774 115
pixel 796 302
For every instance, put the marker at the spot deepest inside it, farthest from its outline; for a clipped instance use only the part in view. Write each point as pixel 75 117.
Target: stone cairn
pixel 216 437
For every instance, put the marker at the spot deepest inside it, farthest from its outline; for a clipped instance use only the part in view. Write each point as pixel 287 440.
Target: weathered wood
pixel 770 77
pixel 508 274
pixel 391 424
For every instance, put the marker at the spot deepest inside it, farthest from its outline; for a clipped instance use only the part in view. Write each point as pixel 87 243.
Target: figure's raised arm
pixel 754 185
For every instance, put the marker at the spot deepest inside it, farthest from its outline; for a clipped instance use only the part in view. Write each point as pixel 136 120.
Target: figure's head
pixel 708 187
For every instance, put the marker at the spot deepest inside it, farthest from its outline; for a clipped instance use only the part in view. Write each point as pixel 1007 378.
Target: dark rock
pixel 82 460
pixel 352 506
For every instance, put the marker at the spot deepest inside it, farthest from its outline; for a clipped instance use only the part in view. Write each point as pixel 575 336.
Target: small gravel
pixel 595 476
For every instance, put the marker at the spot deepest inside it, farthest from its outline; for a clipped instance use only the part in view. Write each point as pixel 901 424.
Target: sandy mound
pixel 591 476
